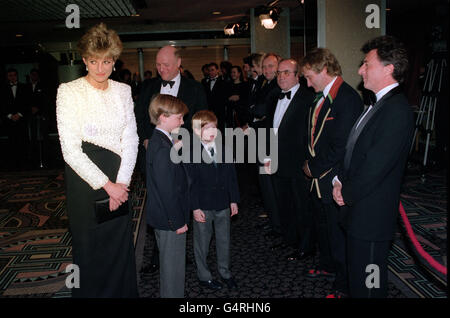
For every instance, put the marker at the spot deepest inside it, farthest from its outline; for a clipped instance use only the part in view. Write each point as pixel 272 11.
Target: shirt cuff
pixel 336 179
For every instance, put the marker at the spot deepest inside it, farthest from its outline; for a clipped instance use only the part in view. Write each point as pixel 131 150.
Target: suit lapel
pixel 291 108
pixel 182 89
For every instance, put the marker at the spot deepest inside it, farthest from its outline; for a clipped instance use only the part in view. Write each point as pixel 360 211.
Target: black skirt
pixel 104 252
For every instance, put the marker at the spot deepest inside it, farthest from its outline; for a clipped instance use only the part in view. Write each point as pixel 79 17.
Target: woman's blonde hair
pixel 166 105
pixel 100 41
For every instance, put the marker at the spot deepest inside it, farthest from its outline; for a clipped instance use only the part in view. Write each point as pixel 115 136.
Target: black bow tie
pixel 171 83
pixel 213 79
pixel 12 84
pixel 283 95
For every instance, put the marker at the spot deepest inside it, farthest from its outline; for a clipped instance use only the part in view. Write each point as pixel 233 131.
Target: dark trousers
pixel 269 200
pixel 295 215
pixel 361 254
pixel 331 239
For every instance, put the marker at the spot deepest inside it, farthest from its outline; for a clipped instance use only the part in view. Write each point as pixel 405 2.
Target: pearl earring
pixel 87 69
pixel 114 68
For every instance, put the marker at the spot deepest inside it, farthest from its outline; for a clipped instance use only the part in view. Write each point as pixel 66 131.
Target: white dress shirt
pixel 165 133
pixel 174 90
pixel 282 106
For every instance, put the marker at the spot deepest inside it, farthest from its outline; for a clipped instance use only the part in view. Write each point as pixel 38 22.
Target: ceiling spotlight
pixel 229 29
pixel 269 17
pixel 216 12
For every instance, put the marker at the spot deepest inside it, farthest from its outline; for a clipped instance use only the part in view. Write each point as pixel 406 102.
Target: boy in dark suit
pixel 167 206
pixel 214 193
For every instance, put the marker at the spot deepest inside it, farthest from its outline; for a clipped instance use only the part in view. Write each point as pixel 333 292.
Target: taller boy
pixel 167 205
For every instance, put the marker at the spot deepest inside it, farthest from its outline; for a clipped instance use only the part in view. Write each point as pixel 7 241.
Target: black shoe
pixel 211 284
pixel 151 268
pixel 230 282
pixel 298 256
pixel 279 246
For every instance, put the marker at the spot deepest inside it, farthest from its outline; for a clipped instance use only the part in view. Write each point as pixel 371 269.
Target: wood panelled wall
pixel 193 58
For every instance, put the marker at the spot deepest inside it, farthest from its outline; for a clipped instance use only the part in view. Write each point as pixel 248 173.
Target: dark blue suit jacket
pixel 167 206
pixel 213 187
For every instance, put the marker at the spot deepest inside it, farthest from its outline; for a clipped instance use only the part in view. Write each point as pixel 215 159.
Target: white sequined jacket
pixel 102 117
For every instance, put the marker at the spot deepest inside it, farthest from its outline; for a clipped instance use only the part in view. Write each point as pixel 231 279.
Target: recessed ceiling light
pixel 217 12
pixel 19 35
pixel 388 9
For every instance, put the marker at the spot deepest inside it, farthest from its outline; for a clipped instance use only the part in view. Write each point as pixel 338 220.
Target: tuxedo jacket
pixel 13 105
pixel 264 97
pixel 38 97
pixel 291 133
pixel 214 187
pixel 217 97
pixel 167 206
pixel 330 134
pixel 190 92
pixel 371 183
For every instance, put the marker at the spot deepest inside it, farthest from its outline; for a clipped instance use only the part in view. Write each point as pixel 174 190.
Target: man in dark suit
pixel 331 116
pixel 38 118
pixel 267 92
pixel 217 91
pixel 168 61
pixel 15 112
pixel 287 117
pixel 368 183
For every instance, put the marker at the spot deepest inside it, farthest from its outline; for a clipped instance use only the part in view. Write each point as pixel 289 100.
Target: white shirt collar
pixel 165 133
pixel 385 90
pixel 293 90
pixel 327 88
pixel 174 89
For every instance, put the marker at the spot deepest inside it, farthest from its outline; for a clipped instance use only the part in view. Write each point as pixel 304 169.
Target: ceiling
pixel 44 20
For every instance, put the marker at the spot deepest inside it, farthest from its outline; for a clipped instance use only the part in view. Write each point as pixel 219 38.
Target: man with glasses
pixel 287 116
pixel 331 117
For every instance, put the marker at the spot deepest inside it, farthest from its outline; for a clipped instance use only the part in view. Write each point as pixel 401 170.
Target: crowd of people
pixel 334 186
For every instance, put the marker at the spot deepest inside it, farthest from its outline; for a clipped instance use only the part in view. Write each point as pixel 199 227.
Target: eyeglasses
pixel 285 72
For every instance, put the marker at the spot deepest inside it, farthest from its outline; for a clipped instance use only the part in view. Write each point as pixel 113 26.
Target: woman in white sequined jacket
pixel 99 142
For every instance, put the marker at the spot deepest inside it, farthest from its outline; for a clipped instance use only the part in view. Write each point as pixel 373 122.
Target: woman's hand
pixel 117 191
pixel 113 204
pixel 199 216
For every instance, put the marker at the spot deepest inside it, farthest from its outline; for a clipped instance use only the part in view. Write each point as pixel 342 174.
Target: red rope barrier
pixel 417 245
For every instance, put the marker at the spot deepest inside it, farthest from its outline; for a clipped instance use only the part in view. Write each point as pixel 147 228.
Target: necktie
pixel 283 95
pixel 319 95
pixel 171 83
pixel 211 151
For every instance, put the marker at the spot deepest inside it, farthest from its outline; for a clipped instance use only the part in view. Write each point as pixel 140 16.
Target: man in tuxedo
pixel 287 116
pixel 266 94
pixel 331 116
pixel 367 185
pixel 38 118
pixel 217 92
pixel 15 112
pixel 168 61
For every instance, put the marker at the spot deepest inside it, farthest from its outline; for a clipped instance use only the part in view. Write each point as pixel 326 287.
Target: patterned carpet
pixel 35 245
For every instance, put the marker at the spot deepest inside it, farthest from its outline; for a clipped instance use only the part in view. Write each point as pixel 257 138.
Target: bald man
pixel 168 62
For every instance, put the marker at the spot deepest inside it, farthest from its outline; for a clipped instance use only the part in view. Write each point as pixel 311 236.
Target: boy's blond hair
pixel 166 105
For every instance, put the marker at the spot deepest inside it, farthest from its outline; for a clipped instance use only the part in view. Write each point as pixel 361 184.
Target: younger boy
pixel 167 205
pixel 214 193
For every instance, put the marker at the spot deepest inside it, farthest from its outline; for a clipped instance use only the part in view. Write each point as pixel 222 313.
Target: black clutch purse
pixel 104 214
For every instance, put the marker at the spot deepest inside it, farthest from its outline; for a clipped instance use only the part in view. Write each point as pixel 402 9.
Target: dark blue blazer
pixel 213 187
pixel 167 206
